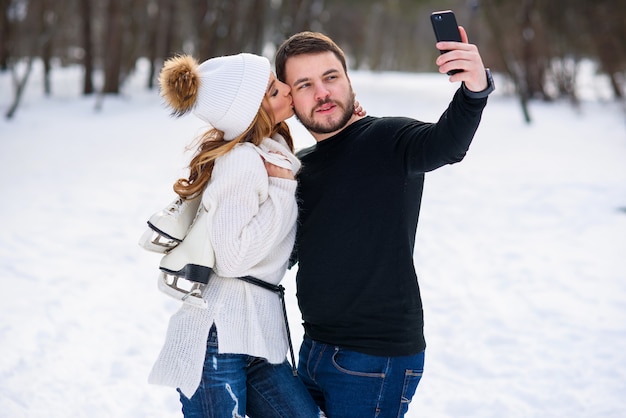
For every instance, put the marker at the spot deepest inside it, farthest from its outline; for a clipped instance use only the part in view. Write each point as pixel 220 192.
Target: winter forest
pixel 537 45
pixel 519 249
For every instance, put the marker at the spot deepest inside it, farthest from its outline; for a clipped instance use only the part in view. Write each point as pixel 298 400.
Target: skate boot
pixel 180 232
pixel 168 227
pixel 186 268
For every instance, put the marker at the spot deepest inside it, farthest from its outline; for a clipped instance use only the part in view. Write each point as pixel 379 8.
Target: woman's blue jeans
pixel 236 385
pixel 348 384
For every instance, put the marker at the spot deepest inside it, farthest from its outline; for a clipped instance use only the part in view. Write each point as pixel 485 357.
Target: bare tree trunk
pixel 532 64
pixel 40 36
pixel 113 48
pixel 47 16
pixel 302 16
pixel 5 34
pixel 498 36
pixel 228 37
pixel 162 17
pixel 154 13
pixel 46 57
pixel 19 84
pixel 85 11
pixel 206 21
pixel 615 85
pixel 257 21
pixel 169 26
pixel 607 45
pixel 295 16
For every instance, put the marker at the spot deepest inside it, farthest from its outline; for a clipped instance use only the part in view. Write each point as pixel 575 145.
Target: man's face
pixel 322 95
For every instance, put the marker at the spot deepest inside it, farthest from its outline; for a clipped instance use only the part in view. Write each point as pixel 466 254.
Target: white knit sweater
pixel 251 222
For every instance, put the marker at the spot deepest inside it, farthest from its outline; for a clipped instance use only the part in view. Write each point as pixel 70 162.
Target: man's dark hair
pixel 306 43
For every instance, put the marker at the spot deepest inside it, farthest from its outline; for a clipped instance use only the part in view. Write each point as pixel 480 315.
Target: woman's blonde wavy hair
pixel 179 81
pixel 212 146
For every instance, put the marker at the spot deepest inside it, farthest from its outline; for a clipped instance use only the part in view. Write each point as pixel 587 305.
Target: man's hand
pixel 463 56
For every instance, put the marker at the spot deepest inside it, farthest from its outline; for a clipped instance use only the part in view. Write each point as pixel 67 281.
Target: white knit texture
pixel 231 91
pixel 279 146
pixel 252 224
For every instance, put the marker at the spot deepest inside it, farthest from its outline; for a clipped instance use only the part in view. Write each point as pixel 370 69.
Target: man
pixel 359 194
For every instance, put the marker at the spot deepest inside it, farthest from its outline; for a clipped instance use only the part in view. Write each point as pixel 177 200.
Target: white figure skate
pixel 180 232
pixel 168 227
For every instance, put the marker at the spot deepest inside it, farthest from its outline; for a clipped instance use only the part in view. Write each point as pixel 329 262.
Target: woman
pixel 230 358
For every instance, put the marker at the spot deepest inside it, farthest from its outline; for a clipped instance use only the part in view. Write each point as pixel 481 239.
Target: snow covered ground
pixel 521 253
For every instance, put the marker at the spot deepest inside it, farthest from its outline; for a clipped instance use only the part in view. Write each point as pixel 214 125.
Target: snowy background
pixel 521 253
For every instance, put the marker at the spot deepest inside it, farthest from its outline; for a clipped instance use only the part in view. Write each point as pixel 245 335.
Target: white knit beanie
pixel 230 91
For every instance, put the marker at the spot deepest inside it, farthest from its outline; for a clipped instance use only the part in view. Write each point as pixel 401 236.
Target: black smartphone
pixel 446 29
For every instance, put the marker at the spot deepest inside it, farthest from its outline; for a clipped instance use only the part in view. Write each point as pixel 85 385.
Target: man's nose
pixel 321 92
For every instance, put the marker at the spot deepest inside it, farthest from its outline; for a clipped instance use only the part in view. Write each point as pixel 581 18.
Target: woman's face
pixel 279 103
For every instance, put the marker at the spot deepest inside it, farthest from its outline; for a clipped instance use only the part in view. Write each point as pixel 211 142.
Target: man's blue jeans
pixel 234 385
pixel 348 384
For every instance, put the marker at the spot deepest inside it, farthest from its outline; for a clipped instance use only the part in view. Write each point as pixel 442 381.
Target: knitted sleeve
pixel 249 213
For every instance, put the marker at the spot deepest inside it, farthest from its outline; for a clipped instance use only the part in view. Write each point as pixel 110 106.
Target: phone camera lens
pixel 438 18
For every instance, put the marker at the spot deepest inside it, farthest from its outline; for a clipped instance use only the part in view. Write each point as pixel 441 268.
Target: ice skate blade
pixel 155 242
pixel 192 296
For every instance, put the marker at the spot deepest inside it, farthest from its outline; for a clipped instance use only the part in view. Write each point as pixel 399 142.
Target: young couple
pixel 349 221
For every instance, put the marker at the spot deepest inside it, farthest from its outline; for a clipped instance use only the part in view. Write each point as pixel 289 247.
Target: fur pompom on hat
pixel 225 92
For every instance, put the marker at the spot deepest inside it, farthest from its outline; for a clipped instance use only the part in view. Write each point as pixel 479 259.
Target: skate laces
pixel 176 208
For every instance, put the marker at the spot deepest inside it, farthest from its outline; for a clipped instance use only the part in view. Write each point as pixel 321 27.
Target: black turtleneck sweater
pixel 359 196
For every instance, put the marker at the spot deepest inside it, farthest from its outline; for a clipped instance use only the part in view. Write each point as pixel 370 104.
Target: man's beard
pixel 327 127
